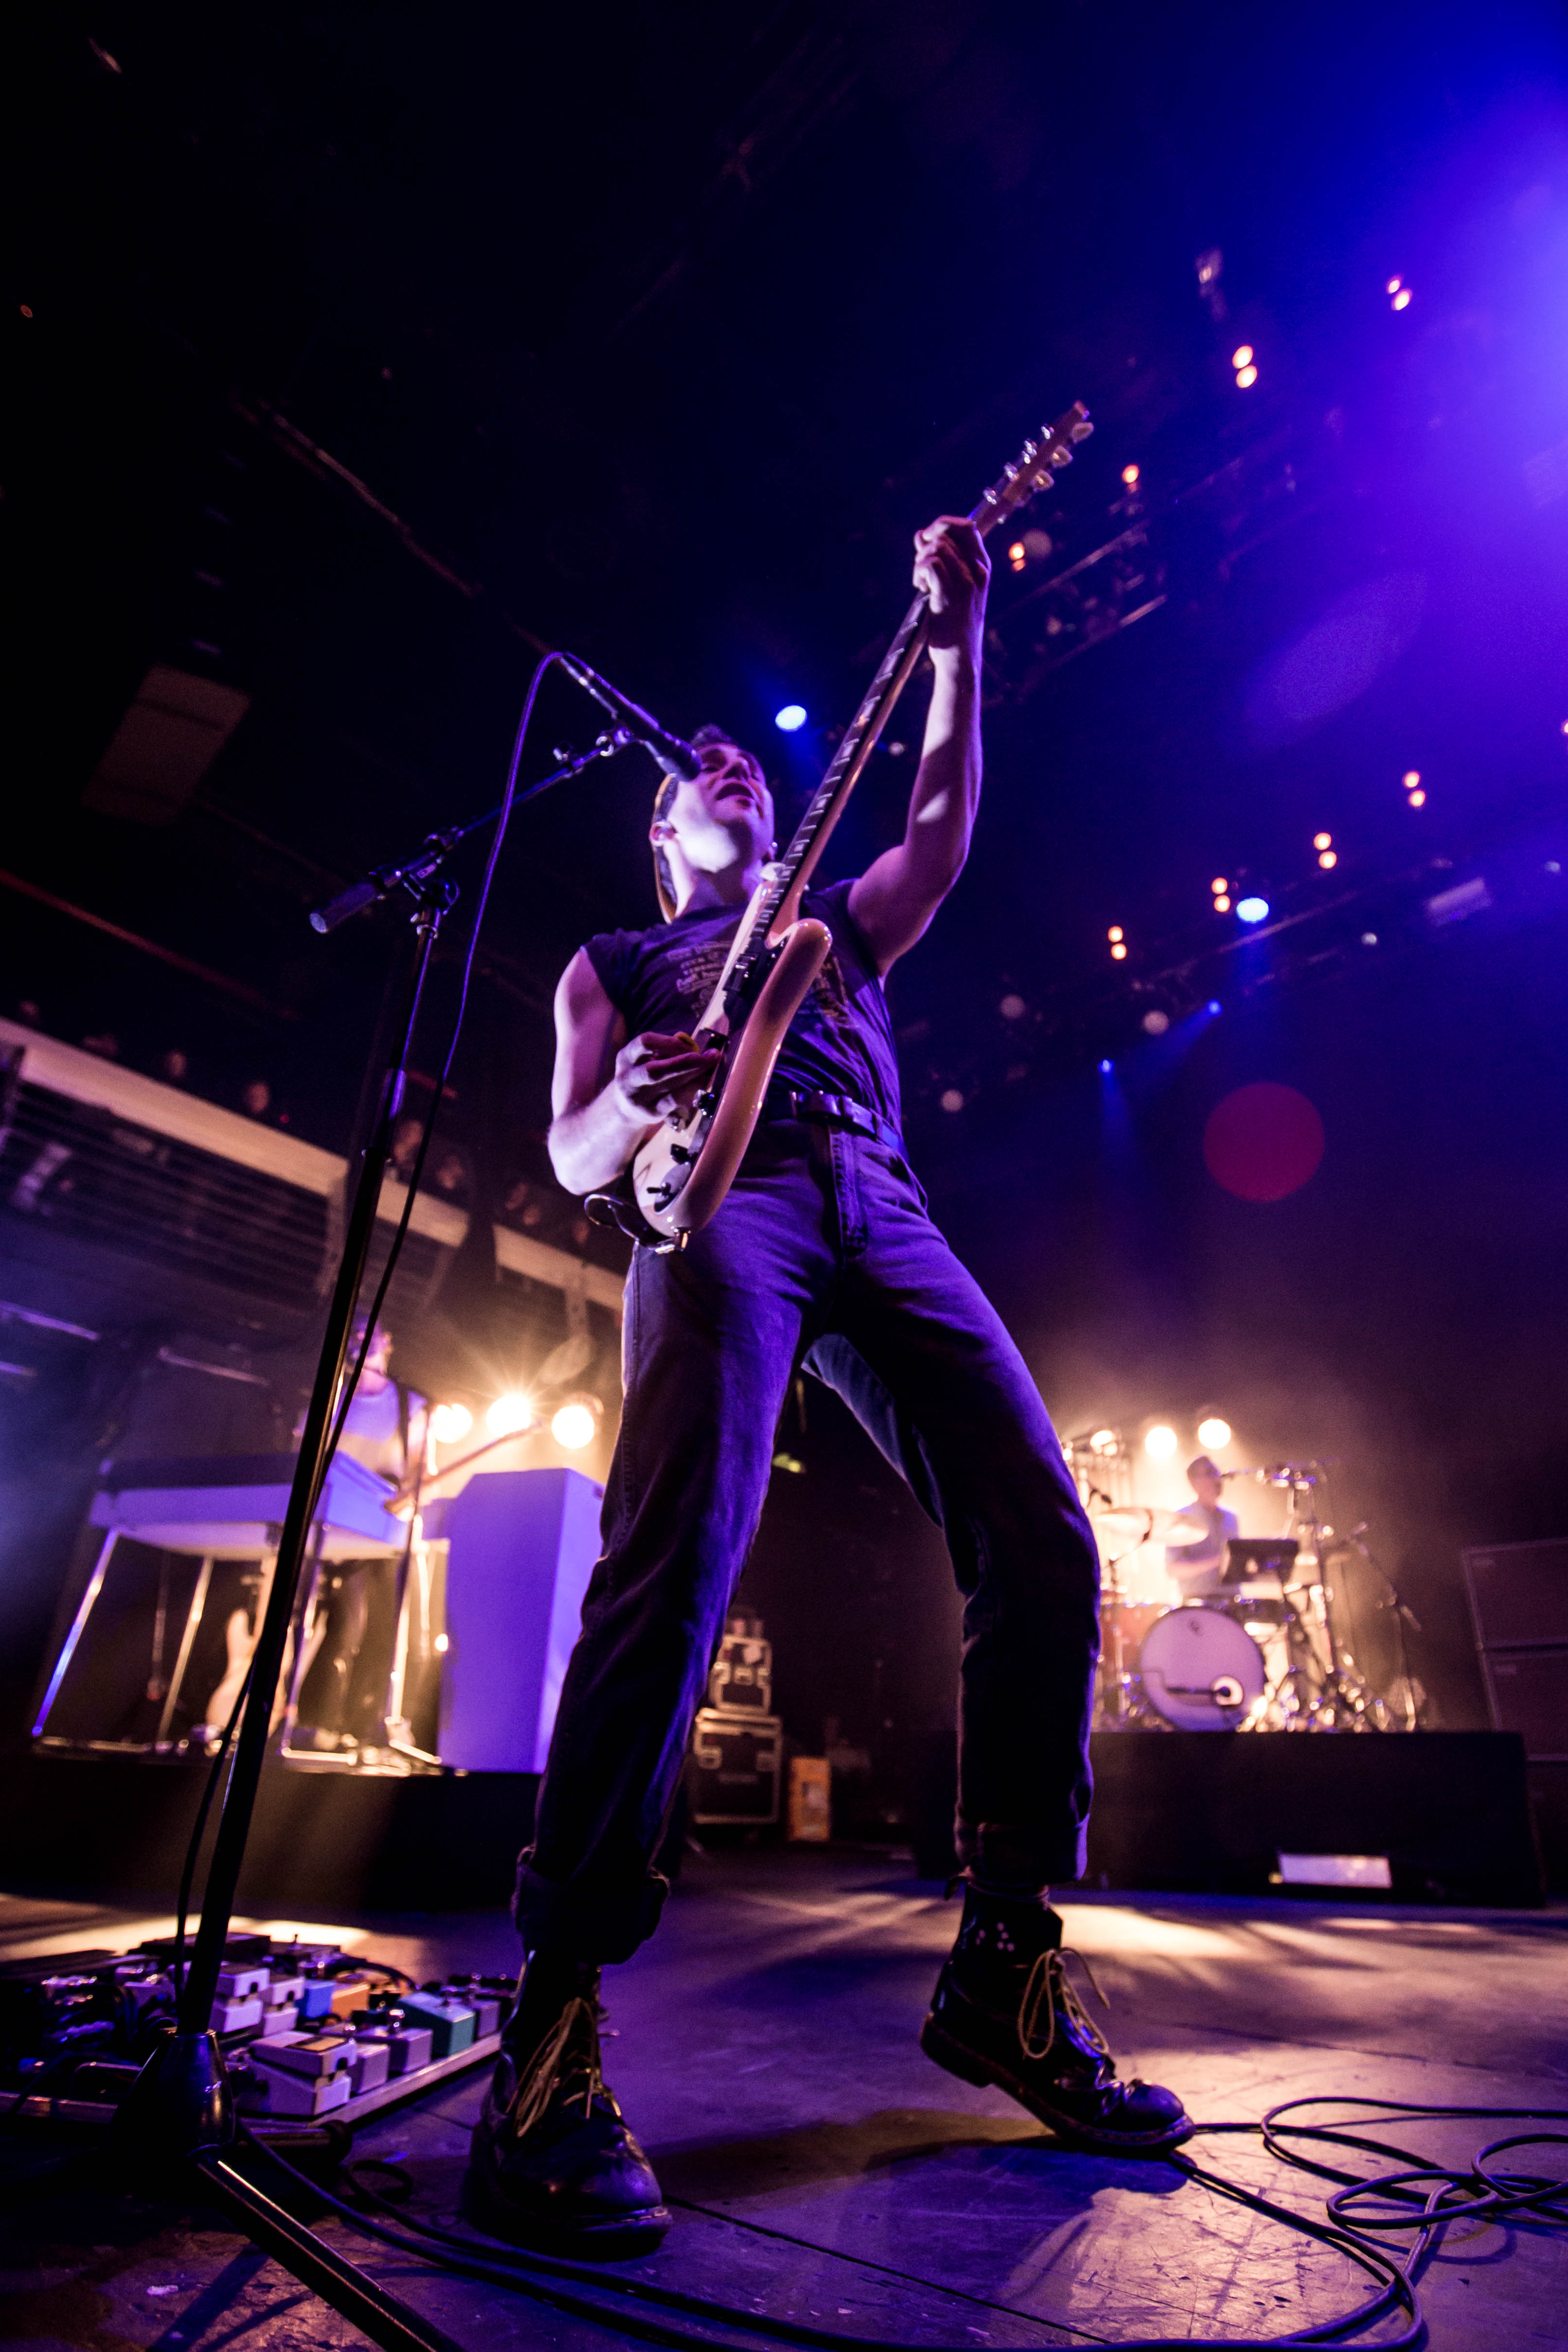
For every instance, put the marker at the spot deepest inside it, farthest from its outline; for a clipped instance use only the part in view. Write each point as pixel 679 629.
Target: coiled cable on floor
pixel 1423 2199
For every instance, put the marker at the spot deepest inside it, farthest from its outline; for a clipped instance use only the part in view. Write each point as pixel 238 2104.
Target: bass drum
pixel 1200 1671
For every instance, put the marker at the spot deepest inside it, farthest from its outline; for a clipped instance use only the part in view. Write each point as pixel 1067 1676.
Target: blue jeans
pixel 824 1246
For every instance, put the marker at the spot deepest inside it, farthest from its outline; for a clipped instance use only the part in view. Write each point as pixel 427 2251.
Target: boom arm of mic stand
pixel 436 848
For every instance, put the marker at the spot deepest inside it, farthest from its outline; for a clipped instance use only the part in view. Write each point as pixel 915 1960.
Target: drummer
pixel 1198 1534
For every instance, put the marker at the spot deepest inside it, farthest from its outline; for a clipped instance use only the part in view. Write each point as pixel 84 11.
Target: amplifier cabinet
pixel 1519 1593
pixel 1519 1602
pixel 734 1767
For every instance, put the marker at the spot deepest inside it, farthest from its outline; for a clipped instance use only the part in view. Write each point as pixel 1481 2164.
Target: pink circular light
pixel 1263 1141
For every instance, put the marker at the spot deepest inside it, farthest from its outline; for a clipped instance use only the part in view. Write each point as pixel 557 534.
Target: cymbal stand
pixel 1341 1701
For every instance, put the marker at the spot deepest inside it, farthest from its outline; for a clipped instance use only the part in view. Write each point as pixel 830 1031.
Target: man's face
pixel 722 817
pixel 1206 1483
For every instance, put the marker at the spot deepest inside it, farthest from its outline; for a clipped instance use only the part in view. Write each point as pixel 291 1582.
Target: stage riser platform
pixel 118 1827
pixel 1209 1813
pixel 1185 1811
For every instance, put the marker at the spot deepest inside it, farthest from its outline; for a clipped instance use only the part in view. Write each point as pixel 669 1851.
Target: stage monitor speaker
pixel 522 1545
pixel 1519 1593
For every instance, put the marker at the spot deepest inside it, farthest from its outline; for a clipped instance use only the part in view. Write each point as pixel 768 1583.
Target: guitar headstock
pixel 1033 467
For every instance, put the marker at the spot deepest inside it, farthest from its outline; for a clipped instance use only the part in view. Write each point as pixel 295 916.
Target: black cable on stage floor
pixel 1426 2198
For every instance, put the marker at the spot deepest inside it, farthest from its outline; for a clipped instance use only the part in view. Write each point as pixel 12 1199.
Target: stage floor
pixel 821 2168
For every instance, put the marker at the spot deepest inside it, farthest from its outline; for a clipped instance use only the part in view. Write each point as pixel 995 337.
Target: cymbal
pixel 1130 1522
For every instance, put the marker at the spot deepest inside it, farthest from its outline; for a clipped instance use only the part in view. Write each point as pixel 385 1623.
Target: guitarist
pixel 823 1245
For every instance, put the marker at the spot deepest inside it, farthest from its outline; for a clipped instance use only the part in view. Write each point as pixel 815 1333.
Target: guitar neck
pixel 779 906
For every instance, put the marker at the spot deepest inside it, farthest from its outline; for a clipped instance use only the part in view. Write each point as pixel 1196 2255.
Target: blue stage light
pixel 791 719
pixel 1215 1005
pixel 1252 910
pixel 1105 1069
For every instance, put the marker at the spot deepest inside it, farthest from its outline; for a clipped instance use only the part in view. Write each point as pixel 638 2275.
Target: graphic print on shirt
pixel 696 976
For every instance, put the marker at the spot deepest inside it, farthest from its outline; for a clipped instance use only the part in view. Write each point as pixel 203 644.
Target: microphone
pixel 675 757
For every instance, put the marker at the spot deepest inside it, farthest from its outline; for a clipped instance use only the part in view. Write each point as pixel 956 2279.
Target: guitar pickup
pixel 678 1151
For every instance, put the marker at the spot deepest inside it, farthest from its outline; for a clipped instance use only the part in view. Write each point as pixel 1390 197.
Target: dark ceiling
pixel 365 350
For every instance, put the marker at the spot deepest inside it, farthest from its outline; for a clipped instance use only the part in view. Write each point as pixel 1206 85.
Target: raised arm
pixel 897 896
pixel 609 1092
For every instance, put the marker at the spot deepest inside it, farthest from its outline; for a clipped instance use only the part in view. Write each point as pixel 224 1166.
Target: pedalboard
pixel 307 2030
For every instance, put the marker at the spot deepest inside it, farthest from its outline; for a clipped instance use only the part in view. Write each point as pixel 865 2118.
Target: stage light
pixel 1221 905
pixel 1214 1431
pixel 1393 285
pixel 509 1415
pixel 1322 840
pixel 1242 356
pixel 575 1424
pixel 1119 953
pixel 1114 932
pixel 1402 299
pixel 450 1422
pixel 1012 1008
pixel 1252 910
pixel 951 1099
pixel 1105 1069
pixel 1155 1023
pixel 1245 378
pixel 1159 1443
pixel 442 1644
pixel 791 719
pixel 1369 939
pixel 1130 475
pixel 1410 779
pixel 1416 800
pixel 1220 885
pixel 1017 555
pixel 1103 1441
pixel 1328 857
pixel 1215 1005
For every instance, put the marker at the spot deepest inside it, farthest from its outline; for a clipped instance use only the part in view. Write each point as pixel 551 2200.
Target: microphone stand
pixel 181 2107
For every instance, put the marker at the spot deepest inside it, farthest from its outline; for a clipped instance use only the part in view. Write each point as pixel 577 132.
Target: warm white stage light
pixel 1328 857
pixel 1245 378
pixel 1119 953
pixel 1114 932
pixel 1416 800
pixel 1222 904
pixel 1214 1433
pixel 1393 285
pixel 1159 1443
pixel 450 1422
pixel 508 1415
pixel 1242 356
pixel 1402 299
pixel 1410 779
pixel 1323 841
pixel 1103 1441
pixel 1220 885
pixel 951 1099
pixel 1155 1023
pixel 574 1424
pixel 1130 475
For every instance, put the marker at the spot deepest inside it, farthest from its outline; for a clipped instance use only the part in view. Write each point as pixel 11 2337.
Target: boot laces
pixel 538 2086
pixel 1048 1987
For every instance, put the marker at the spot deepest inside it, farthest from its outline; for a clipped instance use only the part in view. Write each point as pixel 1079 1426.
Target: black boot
pixel 1004 2013
pixel 552 2163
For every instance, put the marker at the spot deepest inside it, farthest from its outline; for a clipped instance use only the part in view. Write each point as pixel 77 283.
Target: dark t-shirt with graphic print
pixel 839 1043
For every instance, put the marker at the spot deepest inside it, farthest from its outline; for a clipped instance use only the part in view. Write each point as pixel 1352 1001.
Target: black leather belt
pixel 831 1110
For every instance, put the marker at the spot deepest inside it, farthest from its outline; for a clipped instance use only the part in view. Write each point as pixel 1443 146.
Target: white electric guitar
pixel 682 1174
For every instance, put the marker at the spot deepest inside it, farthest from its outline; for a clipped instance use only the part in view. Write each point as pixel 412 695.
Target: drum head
pixel 1200 1670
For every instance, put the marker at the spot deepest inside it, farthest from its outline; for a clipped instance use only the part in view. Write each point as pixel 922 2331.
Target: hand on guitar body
pixel 657 1075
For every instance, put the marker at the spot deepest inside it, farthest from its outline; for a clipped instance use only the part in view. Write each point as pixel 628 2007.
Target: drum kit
pixel 1265 1651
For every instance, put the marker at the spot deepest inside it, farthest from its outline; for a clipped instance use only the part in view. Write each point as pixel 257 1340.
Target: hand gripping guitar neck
pixel 682 1174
